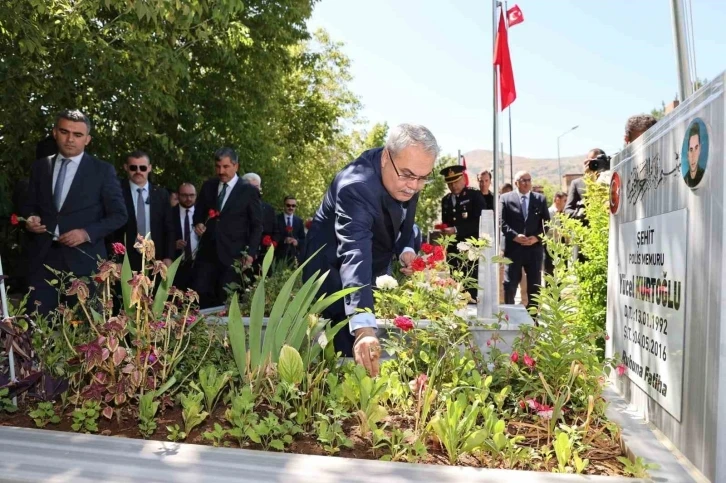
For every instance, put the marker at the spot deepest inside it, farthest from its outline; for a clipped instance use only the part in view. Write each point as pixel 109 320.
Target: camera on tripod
pixel 599 163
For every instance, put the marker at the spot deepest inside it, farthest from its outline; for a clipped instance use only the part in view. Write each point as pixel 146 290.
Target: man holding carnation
pixel 366 217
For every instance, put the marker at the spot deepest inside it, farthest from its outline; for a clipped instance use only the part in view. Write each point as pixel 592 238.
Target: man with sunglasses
pixel 292 229
pixel 149 212
pixel 460 211
pixel 365 218
pixel 523 217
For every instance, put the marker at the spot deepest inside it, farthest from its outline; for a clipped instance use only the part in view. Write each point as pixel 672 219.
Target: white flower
pixel 487 239
pixel 386 282
pixel 424 286
pixel 463 247
pixel 472 255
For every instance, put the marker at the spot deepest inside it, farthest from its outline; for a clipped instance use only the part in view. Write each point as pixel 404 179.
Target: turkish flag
pixel 514 16
pixel 507 91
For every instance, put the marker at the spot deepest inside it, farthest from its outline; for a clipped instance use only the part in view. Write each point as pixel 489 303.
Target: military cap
pixel 452 173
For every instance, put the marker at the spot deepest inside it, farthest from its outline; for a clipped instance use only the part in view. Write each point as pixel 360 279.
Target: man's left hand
pixel 533 240
pixel 167 262
pixel 407 259
pixel 74 238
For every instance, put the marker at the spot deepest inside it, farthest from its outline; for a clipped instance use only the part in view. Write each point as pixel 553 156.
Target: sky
pixel 576 62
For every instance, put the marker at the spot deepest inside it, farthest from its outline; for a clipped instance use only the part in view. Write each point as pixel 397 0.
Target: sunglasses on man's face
pixel 135 167
pixel 290 206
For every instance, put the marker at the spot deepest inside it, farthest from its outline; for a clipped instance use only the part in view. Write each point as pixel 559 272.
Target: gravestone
pixel 665 271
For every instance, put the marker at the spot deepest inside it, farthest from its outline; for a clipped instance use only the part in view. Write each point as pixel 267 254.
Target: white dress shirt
pixel 71 169
pixel 147 205
pixel 230 185
pixel 182 219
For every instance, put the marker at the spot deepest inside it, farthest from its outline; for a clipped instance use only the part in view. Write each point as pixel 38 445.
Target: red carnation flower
pixel 213 214
pixel 438 254
pixel 404 323
pixel 288 229
pixel 14 219
pixel 528 361
pixel 427 248
pixel 266 241
pixel 418 264
pixel 118 248
pixel 441 226
pixel 274 244
pixel 514 357
pixel 308 223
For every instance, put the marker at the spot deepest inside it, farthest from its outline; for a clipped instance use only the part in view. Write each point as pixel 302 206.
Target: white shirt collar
pixel 184 210
pixel 74 159
pixel 134 186
pixel 230 183
pixel 523 194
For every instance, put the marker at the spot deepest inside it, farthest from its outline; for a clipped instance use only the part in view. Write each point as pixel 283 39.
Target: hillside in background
pixel 480 159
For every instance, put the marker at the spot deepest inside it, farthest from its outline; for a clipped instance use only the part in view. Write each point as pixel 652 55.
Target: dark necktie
pixel 289 221
pixel 220 198
pixel 187 237
pixel 140 212
pixel 59 182
pixel 524 206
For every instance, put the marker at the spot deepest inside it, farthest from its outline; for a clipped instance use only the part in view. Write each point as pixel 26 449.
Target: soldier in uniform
pixel 460 211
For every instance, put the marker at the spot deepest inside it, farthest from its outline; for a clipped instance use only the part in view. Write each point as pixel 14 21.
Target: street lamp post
pixel 559 162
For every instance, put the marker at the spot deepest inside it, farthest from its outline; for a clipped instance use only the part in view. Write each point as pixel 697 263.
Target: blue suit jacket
pixel 360 227
pixel 513 222
pixel 94 203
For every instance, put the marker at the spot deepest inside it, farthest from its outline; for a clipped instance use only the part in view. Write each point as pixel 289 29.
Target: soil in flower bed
pixel 602 453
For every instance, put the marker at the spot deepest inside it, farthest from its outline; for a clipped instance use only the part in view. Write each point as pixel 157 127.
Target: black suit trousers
pixel 529 258
pixel 210 278
pixel 43 293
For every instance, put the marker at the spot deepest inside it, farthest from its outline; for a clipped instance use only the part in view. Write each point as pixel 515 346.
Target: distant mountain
pixel 480 159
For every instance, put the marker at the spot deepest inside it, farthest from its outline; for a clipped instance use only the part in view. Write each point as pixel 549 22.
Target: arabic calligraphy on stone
pixel 648 177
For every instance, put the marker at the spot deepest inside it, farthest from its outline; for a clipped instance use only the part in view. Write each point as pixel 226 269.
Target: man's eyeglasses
pixel 290 206
pixel 525 180
pixel 187 195
pixel 135 167
pixel 408 177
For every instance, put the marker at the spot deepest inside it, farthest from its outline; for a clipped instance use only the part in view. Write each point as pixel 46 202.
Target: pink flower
pixel 404 323
pixel 191 319
pixel 419 384
pixel 528 361
pixel 607 337
pixel 544 411
pixel 118 248
pixel 514 357
pixel 506 317
pixel 621 369
pixel 489 343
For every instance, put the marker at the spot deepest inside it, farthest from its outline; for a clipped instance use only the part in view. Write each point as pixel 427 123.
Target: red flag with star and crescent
pixel 507 90
pixel 514 16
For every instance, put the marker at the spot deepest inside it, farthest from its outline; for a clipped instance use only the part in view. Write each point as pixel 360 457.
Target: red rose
pixel 404 323
pixel 418 264
pixel 288 229
pixel 438 254
pixel 118 248
pixel 308 223
pixel 213 214
pixel 427 248
pixel 14 219
pixel 266 241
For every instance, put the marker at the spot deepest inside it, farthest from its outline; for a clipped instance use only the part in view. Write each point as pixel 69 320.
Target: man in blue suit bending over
pixel 365 219
pixel 75 197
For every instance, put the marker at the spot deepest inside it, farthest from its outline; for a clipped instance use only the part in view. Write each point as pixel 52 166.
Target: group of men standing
pixel 76 208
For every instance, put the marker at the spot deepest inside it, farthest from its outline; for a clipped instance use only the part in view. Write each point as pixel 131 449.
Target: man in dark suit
pixel 292 229
pixel 77 198
pixel 366 217
pixel 270 229
pixel 224 237
pixel 575 205
pixel 187 241
pixel 461 210
pixel 523 217
pixel 149 212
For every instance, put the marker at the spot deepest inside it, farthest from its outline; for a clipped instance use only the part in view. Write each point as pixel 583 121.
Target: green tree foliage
pixel 179 79
pixel 591 271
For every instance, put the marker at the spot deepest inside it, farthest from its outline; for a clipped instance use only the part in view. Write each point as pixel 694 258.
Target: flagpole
pixel 495 130
pixel 509 111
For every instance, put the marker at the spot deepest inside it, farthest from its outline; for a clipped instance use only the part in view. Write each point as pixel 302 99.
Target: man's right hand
pixel 181 244
pixel 521 239
pixel 32 224
pixel 367 349
pixel 199 229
